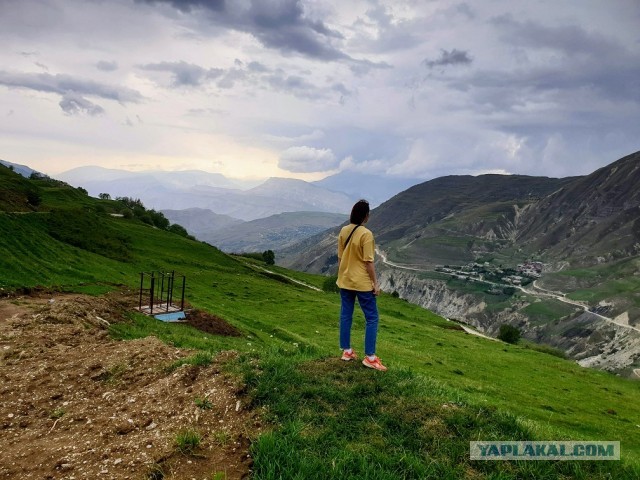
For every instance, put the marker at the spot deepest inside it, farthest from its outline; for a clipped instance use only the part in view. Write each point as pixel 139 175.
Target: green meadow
pixel 327 418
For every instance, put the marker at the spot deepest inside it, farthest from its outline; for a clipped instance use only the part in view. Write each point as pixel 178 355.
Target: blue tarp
pixel 171 317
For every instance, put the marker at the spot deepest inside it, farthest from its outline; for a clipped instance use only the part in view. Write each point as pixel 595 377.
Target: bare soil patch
pixel 209 323
pixel 77 404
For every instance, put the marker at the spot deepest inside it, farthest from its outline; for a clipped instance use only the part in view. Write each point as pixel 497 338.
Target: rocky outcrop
pixel 595 342
pixel 430 294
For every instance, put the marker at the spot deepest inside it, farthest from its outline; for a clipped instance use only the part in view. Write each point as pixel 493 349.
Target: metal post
pixel 141 285
pixel 152 290
pixel 161 298
pixel 170 292
pixel 184 279
pixel 166 308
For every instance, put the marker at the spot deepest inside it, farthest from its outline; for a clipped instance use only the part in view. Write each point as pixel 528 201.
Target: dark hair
pixel 359 212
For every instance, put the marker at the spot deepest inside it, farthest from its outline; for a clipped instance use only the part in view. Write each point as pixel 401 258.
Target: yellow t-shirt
pixel 352 274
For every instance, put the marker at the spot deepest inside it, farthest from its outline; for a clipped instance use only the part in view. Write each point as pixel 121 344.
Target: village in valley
pixel 497 276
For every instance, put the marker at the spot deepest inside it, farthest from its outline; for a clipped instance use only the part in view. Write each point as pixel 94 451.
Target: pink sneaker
pixel 375 363
pixel 346 356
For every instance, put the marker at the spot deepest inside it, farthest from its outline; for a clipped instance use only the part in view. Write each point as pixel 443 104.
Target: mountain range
pixel 212 207
pixel 459 245
pixel 181 190
pixel 193 189
pixel 592 220
pixel 270 233
pixel 580 220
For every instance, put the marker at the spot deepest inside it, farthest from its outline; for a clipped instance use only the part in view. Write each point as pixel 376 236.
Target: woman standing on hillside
pixel 357 279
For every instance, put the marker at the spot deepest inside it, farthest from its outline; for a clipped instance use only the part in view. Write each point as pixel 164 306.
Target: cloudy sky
pixel 309 88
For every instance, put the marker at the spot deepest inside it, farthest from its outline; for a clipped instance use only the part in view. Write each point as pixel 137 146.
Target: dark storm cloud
pixel 185 74
pixel 252 75
pixel 73 90
pixel 589 60
pixel 278 24
pixel 586 68
pixel 564 86
pixel 453 57
pixel 283 26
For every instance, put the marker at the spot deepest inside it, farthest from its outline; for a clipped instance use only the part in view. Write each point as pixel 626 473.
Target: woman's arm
pixel 372 275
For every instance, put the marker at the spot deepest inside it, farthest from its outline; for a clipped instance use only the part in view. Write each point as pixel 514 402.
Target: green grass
pixel 178 335
pixel 332 419
pixel 337 420
pixel 543 348
pixel 439 249
pixel 201 359
pixel 545 311
pixel 57 413
pixel 187 441
pixel 203 403
pixel 308 278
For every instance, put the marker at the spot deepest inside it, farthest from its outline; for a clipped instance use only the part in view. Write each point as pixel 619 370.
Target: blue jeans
pixel 367 301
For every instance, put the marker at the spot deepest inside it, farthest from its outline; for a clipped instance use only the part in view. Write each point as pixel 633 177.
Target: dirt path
pixel 291 279
pixel 472 331
pixel 77 404
pixel 383 256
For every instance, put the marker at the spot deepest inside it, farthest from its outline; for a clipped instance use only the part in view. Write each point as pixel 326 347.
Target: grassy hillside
pixel 331 419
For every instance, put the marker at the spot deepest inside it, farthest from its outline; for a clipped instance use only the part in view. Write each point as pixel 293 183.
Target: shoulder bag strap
pixel 349 237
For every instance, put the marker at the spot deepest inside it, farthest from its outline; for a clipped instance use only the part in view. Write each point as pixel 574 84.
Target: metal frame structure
pixel 160 292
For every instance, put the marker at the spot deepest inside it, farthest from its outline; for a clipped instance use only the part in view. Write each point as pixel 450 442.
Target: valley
pixel 472 273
